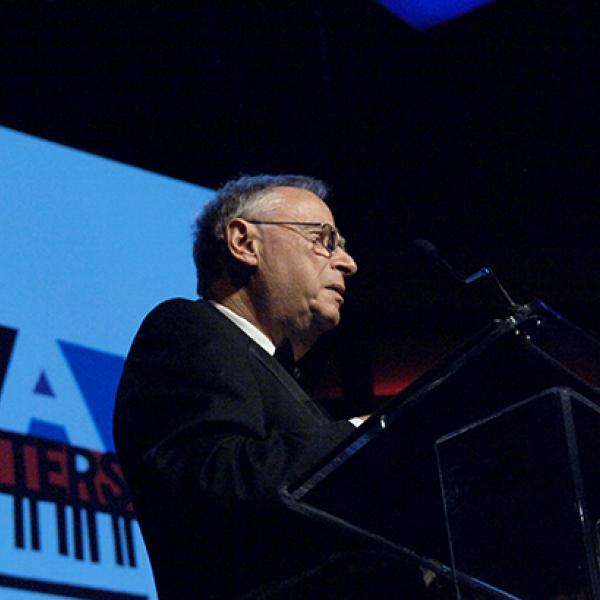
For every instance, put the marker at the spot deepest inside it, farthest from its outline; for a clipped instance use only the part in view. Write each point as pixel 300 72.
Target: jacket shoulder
pixel 178 313
pixel 187 325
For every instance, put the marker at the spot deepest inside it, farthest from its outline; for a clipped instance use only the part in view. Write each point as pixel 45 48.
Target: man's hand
pixel 358 421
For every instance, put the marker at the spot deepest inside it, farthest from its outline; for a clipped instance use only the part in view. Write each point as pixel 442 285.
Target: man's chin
pixel 328 320
pixel 304 337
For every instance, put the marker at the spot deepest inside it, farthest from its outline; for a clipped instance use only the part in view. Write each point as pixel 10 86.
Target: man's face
pixel 302 284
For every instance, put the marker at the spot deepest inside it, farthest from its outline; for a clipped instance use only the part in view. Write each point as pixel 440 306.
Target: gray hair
pixel 241 197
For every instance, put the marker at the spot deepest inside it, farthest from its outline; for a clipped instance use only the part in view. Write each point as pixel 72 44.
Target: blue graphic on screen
pixel 424 14
pixel 43 386
pixel 97 375
pixel 50 431
pixel 88 246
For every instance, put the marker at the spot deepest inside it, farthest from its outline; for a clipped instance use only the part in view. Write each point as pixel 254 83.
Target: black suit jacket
pixel 208 427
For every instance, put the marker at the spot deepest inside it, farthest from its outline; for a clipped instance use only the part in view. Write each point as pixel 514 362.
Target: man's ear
pixel 241 242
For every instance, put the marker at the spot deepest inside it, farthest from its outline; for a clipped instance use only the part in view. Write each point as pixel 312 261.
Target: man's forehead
pixel 301 204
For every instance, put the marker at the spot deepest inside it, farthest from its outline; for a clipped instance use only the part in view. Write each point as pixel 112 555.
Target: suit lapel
pixel 270 363
pixel 276 369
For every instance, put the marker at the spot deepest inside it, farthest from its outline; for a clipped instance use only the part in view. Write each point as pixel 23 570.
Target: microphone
pixel 428 250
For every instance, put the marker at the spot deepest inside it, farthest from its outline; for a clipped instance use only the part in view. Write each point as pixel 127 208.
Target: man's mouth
pixel 339 289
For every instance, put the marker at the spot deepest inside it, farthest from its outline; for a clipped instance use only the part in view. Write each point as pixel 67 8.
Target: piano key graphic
pixel 78 524
pixel 50 544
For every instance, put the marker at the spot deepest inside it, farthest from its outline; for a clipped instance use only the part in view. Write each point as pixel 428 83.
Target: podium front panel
pixel 515 498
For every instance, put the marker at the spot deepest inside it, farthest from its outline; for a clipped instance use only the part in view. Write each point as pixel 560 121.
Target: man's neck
pixel 240 303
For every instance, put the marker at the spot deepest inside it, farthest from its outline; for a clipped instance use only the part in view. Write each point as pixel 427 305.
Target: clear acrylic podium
pixel 485 471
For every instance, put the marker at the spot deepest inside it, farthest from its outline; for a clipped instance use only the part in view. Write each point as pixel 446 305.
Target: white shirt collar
pixel 248 328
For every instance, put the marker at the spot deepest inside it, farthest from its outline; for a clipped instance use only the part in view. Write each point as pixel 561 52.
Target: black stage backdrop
pixel 481 135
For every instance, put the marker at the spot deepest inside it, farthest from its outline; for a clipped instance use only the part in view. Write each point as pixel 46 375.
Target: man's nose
pixel 345 263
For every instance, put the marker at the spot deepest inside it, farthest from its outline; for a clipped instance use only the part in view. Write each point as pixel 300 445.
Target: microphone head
pixel 425 248
pixel 427 251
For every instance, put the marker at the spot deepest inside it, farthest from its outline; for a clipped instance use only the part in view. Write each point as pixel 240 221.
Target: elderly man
pixel 209 425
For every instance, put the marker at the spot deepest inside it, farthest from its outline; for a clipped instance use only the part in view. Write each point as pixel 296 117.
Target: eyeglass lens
pixel 331 239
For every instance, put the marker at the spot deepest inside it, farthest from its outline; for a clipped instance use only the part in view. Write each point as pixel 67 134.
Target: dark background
pixel 480 135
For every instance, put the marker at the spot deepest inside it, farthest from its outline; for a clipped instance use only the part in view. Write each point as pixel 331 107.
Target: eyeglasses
pixel 329 236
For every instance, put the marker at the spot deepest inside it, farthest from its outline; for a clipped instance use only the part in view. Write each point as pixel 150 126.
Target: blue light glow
pixel 424 14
